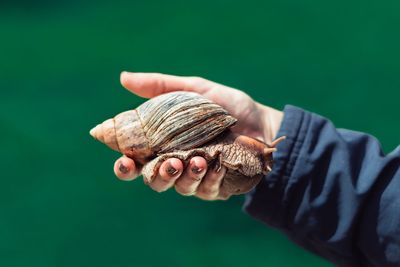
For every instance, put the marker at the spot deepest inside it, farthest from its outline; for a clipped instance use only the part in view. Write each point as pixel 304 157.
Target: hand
pixel 254 120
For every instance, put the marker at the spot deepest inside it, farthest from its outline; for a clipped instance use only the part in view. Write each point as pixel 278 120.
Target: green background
pixel 60 204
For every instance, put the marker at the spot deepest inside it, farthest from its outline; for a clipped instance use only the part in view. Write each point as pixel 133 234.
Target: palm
pixel 240 106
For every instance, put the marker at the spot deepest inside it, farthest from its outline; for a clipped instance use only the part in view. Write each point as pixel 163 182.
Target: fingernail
pixel 196 170
pixel 123 169
pixel 171 170
pixel 217 166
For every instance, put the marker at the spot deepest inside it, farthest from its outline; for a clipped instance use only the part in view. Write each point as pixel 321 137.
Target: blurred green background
pixel 60 61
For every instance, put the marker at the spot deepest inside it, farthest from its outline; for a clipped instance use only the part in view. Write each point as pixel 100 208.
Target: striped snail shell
pixel 177 120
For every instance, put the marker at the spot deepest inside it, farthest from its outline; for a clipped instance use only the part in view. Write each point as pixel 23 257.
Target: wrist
pixel 271 121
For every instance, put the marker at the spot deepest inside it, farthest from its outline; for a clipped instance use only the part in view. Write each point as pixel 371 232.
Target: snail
pixel 183 125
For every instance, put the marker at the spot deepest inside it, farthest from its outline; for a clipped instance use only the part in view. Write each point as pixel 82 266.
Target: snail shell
pixel 163 124
pixel 183 125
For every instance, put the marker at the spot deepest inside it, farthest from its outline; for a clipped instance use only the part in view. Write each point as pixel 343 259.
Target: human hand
pixel 254 120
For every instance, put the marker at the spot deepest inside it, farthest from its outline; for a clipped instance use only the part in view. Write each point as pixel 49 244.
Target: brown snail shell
pixel 183 125
pixel 163 124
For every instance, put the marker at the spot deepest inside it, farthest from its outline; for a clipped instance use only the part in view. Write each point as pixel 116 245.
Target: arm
pixel 333 192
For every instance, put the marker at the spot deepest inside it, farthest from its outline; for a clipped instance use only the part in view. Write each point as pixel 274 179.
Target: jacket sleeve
pixel 333 192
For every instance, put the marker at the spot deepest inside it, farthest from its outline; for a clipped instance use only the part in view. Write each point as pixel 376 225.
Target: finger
pixel 210 186
pixel 169 171
pixel 153 84
pixel 125 169
pixel 187 184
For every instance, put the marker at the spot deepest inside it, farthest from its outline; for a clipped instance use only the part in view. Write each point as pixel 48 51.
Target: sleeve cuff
pixel 267 201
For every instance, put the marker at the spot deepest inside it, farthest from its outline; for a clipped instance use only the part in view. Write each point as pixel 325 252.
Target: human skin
pixel 254 120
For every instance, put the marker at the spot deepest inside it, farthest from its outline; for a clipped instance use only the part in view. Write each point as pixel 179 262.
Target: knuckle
pixel 223 197
pixel 157 189
pixel 205 196
pixel 208 191
pixel 186 191
pixel 194 178
pixel 190 178
pixel 162 188
pixel 165 178
pixel 159 185
pixel 215 177
pixel 196 80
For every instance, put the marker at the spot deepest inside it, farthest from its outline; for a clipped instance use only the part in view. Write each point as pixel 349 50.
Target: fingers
pixel 196 179
pixel 170 170
pixel 125 169
pixel 153 84
pixel 187 184
pixel 209 189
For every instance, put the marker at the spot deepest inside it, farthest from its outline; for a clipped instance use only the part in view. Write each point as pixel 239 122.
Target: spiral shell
pixel 169 122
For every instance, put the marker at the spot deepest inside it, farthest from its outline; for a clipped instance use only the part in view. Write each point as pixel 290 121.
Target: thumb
pixel 152 84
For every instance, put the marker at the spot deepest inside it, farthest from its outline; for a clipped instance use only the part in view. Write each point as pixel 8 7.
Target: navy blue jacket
pixel 333 192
